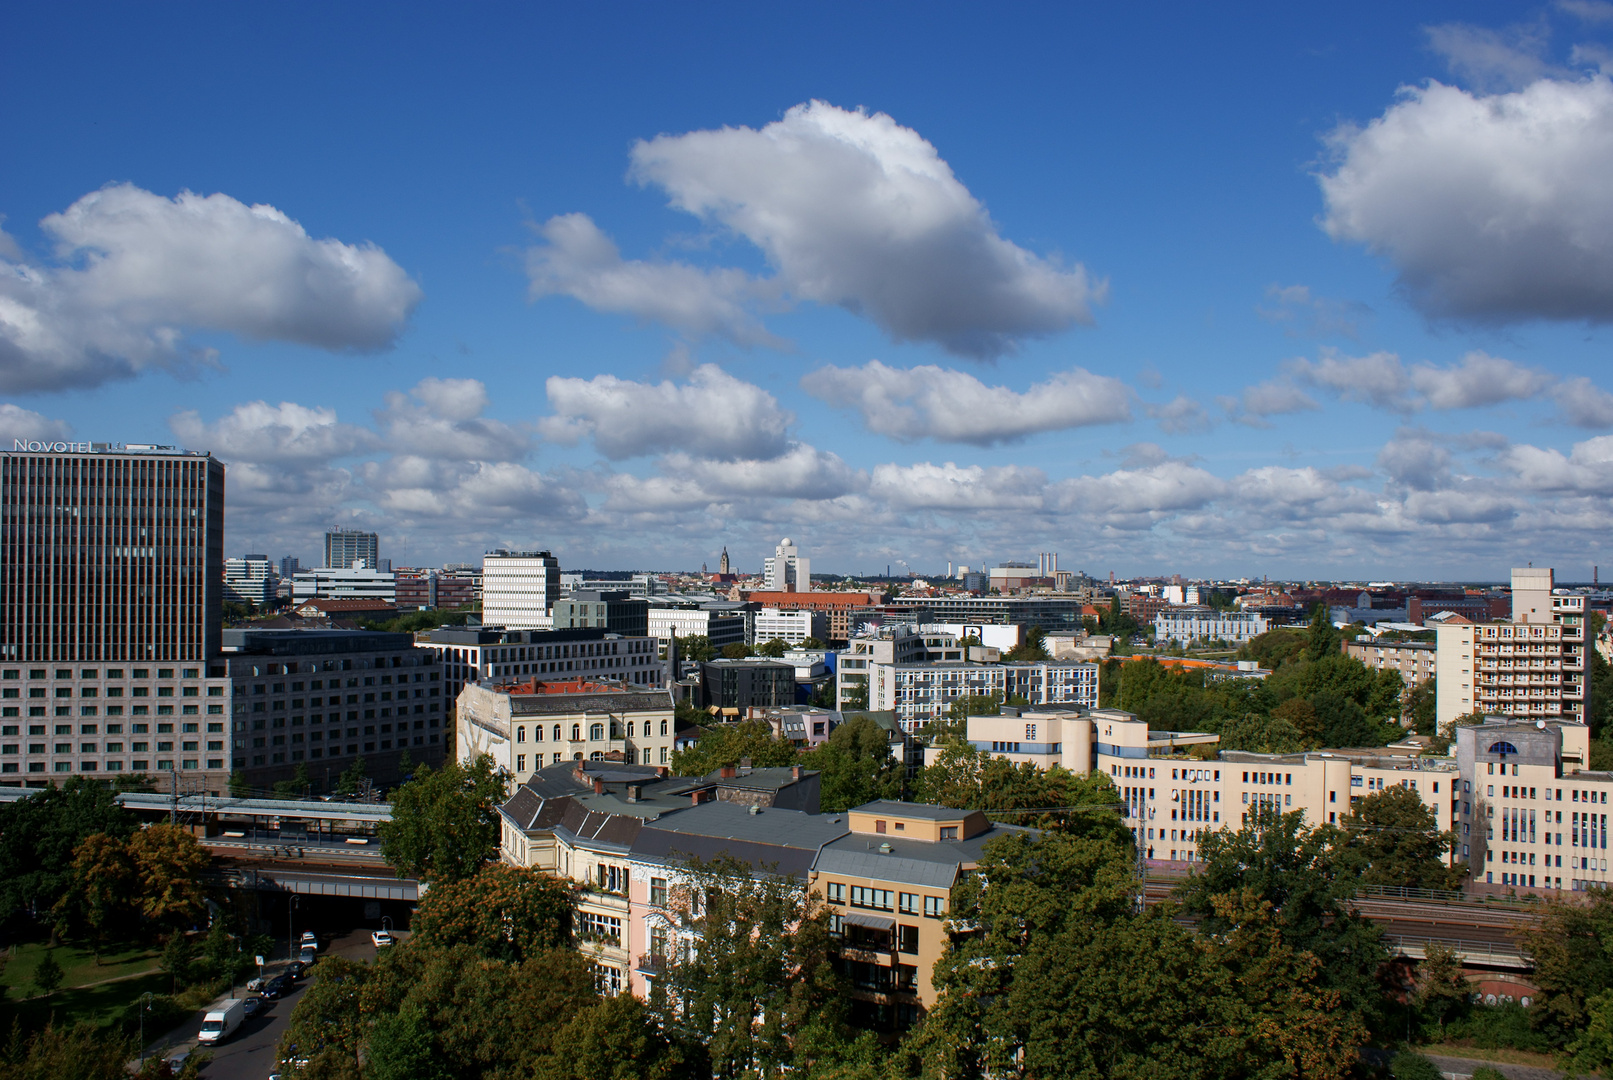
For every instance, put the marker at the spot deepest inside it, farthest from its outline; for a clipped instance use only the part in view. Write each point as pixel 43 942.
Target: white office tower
pixel 519 589
pixel 247 580
pixel 788 570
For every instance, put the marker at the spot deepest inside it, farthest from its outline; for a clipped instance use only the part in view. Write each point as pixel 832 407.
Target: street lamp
pixel 145 1003
pixel 386 922
pixel 291 938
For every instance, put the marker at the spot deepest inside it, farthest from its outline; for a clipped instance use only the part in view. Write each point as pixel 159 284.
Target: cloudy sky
pixel 1161 289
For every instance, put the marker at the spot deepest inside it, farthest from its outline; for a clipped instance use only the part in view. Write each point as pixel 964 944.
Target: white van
pixel 217 1024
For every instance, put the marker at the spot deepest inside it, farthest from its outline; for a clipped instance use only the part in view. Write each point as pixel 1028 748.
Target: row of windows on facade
pixel 596 732
pixel 111 710
pixel 1520 791
pixel 317 753
pixel 630 756
pixel 163 765
pixel 95 673
pixel 862 896
pixel 256 689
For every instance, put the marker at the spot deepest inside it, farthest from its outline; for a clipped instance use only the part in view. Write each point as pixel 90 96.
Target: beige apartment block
pixel 1417 661
pixel 1532 667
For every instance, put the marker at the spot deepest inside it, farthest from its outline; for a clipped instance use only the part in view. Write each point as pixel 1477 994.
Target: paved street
pixel 249 1054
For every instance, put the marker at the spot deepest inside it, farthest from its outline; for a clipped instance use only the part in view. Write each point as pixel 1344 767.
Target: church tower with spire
pixel 722 567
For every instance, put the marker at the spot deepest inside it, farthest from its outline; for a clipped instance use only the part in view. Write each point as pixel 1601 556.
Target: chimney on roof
pixel 634 792
pixel 579 773
pixel 744 766
pixel 795 772
pixel 727 772
pixel 599 786
pixel 661 772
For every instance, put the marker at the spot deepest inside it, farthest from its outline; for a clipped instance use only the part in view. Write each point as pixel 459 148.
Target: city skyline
pixel 1316 295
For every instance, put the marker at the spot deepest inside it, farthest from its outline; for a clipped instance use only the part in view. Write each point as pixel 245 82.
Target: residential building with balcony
pixel 920 692
pixel 1532 667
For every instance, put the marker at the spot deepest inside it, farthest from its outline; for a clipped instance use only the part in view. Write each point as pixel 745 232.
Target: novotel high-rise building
pixel 111 580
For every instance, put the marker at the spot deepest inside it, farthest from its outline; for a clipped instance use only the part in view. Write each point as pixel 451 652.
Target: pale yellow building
pixel 525 726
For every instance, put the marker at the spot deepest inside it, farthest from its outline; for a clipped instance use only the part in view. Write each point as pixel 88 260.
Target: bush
pixel 1498 1027
pixel 1410 1066
pixel 1484 1072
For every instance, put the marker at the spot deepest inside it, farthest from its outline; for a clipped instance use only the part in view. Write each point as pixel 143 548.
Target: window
pixel 949 832
pixel 520 763
pixel 658 892
pixel 576 733
pixel 908 903
pixel 599 928
pixel 836 892
pixel 607 979
pixel 935 906
pixel 907 939
pixel 878 899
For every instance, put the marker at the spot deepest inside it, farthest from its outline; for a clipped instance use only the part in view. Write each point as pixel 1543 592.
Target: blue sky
pixel 1163 289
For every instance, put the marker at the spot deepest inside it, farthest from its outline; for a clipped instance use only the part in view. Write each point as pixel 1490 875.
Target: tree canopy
pixel 726 744
pixel 856 765
pixel 39 836
pixel 444 823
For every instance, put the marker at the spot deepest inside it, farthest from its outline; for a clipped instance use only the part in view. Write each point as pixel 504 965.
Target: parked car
pixel 296 970
pixel 253 1007
pixel 278 986
pixel 307 957
pixel 310 940
pixel 381 938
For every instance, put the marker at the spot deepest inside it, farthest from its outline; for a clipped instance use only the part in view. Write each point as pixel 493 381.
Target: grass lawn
pixel 91 1003
pixel 78 964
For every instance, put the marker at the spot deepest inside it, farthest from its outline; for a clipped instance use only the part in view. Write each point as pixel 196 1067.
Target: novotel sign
pixel 40 446
pixel 34 446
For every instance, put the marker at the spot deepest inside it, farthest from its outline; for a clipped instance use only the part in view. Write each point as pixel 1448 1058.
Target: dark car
pixel 296 969
pixel 278 986
pixel 253 1006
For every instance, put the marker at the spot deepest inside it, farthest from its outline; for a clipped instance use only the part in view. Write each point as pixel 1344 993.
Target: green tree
pixel 81 1052
pixel 969 705
pixel 177 957
pixel 352 778
pixel 1394 840
pixel 239 788
pixel 444 824
pixel 1422 701
pixel 1409 1066
pixel 965 778
pixel 696 647
pixel 614 1039
pixel 762 969
pixel 1034 647
pixel 1443 992
pixel 1298 871
pixel 295 788
pixel 402 1047
pixel 103 889
pixel 1322 637
pixel 1261 735
pixel 726 744
pixel 503 912
pixel 169 863
pixel 39 836
pixel 812 643
pixel 737 651
pixel 1573 963
pixel 857 695
pixel 775 648
pixel 48 975
pixel 1592 1048
pixel 856 765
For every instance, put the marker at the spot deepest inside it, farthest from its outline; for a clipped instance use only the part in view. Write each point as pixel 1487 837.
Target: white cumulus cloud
pixel 578 260
pixel 258 432
pixel 953 406
pixel 1383 381
pixel 849 209
pixel 712 415
pixel 17 422
pixel 958 488
pixel 1492 208
pixel 442 418
pixel 133 272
